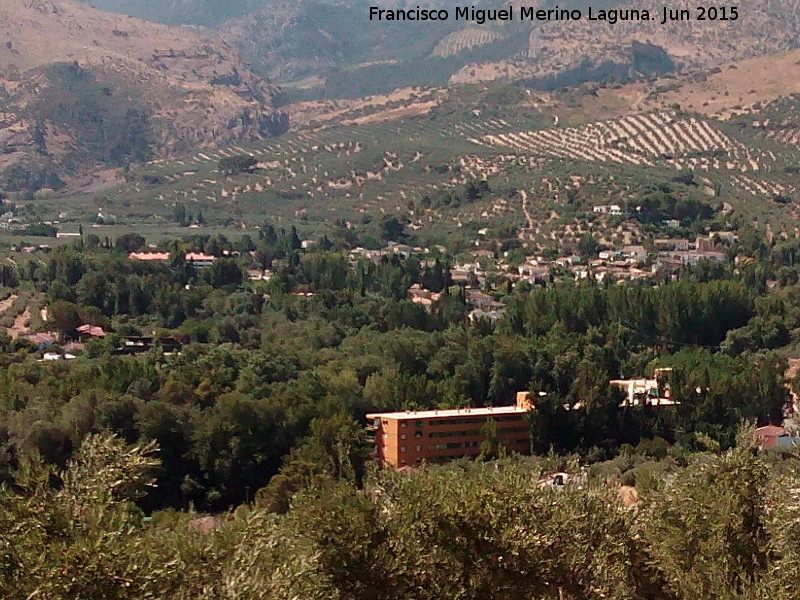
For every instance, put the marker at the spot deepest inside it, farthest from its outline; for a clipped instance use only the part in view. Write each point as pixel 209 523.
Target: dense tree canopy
pixel 264 409
pixel 271 391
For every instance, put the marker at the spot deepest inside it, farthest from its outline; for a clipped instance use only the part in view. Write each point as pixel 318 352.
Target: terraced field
pixel 465 39
pixel 414 167
pixel 340 172
pixel 20 313
pixel 780 121
pixel 657 139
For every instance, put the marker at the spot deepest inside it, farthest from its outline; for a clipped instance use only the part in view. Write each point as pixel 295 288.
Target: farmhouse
pixel 42 340
pixel 90 331
pixel 424 297
pixel 653 392
pixel 774 436
pixel 635 252
pixel 490 315
pixel 689 257
pixel 199 260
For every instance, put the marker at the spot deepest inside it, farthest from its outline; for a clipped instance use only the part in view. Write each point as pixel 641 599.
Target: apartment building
pixel 410 438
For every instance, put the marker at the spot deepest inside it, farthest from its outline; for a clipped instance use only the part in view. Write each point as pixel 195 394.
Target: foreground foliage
pixel 721 527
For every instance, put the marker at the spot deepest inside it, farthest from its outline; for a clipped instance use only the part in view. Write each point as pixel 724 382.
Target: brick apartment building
pixel 410 438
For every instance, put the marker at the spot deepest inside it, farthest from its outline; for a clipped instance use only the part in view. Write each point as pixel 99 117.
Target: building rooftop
pixel 47 337
pixel 454 412
pixel 770 430
pixel 149 256
pixel 91 330
pixel 199 256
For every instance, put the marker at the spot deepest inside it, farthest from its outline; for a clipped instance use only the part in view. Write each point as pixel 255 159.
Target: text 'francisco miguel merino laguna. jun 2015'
pixel 530 13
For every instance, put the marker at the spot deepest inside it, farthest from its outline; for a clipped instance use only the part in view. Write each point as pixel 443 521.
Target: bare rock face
pixel 187 87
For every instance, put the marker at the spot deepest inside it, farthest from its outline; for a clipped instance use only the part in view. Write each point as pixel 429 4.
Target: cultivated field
pixel 565 161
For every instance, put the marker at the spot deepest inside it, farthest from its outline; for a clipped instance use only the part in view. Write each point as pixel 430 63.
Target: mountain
pixel 344 54
pixel 291 40
pixel 762 27
pixel 351 56
pixel 323 40
pixel 82 87
pixel 564 52
pixel 738 88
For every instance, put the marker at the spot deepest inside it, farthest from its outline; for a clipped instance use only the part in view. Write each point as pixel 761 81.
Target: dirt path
pixel 6 304
pixel 21 324
pixel 639 100
pixel 525 210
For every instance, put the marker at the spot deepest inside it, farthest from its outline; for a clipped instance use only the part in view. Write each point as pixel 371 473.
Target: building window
pixel 402 448
pixel 418 434
pixel 403 436
pixel 420 423
pixel 403 424
pixel 419 448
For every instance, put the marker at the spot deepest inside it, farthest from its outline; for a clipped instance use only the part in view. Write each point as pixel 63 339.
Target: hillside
pixel 173 88
pixel 331 50
pixel 736 88
pixel 569 52
pixel 764 26
pixel 547 158
pixel 291 40
pixel 382 153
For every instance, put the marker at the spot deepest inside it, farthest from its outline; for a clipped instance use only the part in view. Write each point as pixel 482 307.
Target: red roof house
pixel 90 331
pixel 769 435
